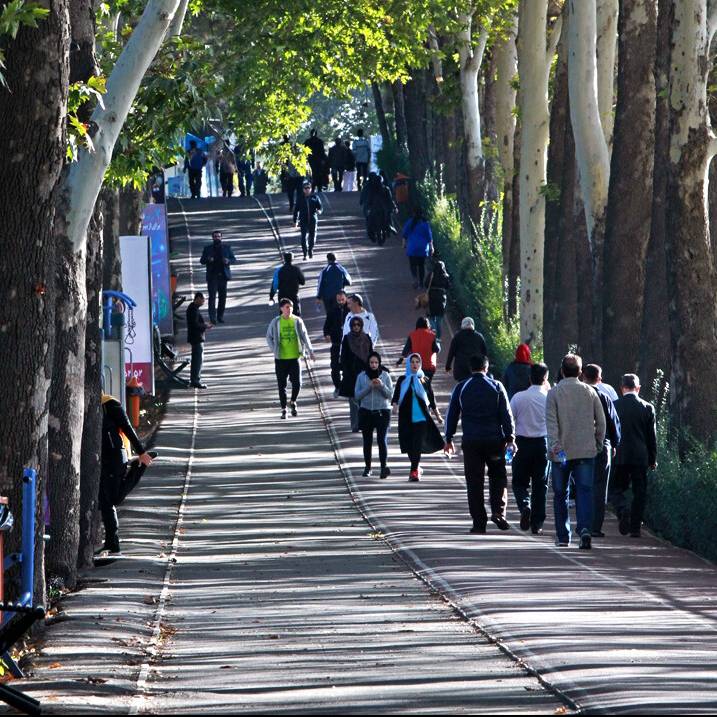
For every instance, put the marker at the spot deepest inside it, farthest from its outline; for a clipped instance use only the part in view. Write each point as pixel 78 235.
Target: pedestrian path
pixel 251 582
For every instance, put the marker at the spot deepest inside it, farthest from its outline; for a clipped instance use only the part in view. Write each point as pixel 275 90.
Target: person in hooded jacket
pixel 466 343
pixel 414 401
pixel 379 207
pixel 422 341
pixel 517 373
pixel 355 349
pixel 286 282
pixel 438 282
pixel 373 391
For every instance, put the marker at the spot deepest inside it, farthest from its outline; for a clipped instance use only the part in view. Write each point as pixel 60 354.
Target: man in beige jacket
pixel 576 430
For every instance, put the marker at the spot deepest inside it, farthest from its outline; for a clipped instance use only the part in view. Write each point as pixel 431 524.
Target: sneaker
pixel 413 477
pixel 366 472
pixel 535 530
pixel 624 522
pixel 304 257
pixel 294 412
pixel 385 472
pixel 198 385
pixel 283 413
pixel 586 541
pixel 525 519
pixel 562 544
pixel 501 522
pixel 112 546
pixel 477 530
pixel 311 254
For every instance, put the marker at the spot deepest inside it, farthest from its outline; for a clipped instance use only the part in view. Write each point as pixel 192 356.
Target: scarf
pixel 522 354
pixel 413 380
pixel 370 372
pixel 360 344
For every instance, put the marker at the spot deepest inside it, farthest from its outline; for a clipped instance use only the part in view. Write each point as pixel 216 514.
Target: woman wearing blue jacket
pixel 418 243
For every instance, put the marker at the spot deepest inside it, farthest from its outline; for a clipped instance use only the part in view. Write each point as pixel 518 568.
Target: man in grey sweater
pixel 576 431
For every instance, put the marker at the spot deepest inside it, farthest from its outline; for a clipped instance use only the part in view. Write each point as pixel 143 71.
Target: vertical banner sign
pixel 137 284
pixel 154 226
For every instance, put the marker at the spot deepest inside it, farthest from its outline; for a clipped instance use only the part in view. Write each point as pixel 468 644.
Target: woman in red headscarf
pixel 517 373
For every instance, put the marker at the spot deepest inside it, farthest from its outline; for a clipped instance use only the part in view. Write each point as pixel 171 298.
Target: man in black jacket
pixel 119 475
pixel 337 164
pixel 466 343
pixel 636 453
pixel 306 217
pixel 195 338
pixel 336 314
pixel 286 282
pixel 218 258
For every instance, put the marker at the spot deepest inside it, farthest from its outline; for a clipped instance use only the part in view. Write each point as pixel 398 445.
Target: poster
pixel 154 226
pixel 137 284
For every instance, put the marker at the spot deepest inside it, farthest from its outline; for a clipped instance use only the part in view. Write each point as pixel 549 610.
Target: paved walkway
pixel 265 590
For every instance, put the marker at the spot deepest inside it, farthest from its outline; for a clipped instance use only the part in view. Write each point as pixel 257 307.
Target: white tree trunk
pixel 534 62
pixel 175 27
pixel 590 146
pixel 607 13
pixel 86 175
pixel 506 60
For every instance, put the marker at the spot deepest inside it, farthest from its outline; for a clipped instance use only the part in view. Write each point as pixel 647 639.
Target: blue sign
pixel 154 226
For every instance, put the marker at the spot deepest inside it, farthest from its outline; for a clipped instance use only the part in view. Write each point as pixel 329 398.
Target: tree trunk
pixel 534 63
pixel 453 146
pixel 590 146
pixel 130 211
pixel 111 257
pixel 389 109
pixel 690 271
pixel 493 182
pixel 32 115
pixel 629 212
pixel 607 38
pixel 400 115
pixel 380 113
pixel 655 334
pixel 416 108
pixel 91 449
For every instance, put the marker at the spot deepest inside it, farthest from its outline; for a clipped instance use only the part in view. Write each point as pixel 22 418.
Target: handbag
pixel 422 300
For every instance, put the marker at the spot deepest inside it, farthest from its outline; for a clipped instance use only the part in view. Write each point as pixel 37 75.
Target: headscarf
pixel 360 344
pixel 522 354
pixel 381 368
pixel 468 323
pixel 413 380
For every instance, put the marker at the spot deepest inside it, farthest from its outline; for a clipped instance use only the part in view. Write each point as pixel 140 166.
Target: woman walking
pixel 417 433
pixel 374 389
pixel 437 283
pixel 422 341
pixel 418 243
pixel 355 349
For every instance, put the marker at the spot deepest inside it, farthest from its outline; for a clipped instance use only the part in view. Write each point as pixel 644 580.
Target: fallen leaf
pixel 54 666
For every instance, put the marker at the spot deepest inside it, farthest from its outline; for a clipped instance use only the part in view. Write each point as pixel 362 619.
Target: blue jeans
pixel 583 472
pixel 435 322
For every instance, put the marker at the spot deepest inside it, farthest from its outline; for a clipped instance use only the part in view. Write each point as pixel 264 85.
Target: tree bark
pixel 607 38
pixel 380 113
pixel 33 140
pixel 534 62
pixel 416 108
pixel 130 211
pixel 400 115
pixel 629 212
pixel 111 257
pixel 690 271
pixel 389 109
pixel 590 146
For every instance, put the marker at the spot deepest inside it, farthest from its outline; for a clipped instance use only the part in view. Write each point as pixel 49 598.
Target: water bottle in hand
pixel 509 453
pixel 563 457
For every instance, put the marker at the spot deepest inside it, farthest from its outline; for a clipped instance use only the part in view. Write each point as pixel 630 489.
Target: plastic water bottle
pixel 509 453
pixel 563 457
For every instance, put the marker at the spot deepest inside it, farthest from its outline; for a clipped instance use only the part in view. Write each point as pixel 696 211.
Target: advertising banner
pixel 154 226
pixel 137 284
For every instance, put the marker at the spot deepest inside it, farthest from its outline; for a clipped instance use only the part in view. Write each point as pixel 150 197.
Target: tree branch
pixel 479 51
pixel 553 39
pixel 435 55
pixel 175 28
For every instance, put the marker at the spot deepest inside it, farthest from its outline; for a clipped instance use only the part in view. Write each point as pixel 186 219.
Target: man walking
pixel 194 165
pixel 217 257
pixel 226 167
pixel 317 158
pixel 306 216
pixel 576 431
pixel 487 423
pixel 592 376
pixel 362 152
pixel 196 329
pixel 370 325
pixel 289 341
pixel 636 453
pixel 466 343
pixel 286 282
pixel 336 314
pixel 337 163
pixel 530 465
pixel 333 279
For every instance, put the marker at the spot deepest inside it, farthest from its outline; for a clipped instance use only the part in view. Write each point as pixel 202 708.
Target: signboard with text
pixel 154 225
pixel 137 283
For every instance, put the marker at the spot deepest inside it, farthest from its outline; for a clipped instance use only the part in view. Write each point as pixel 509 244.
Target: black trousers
pixel 476 456
pixel 308 236
pixel 370 421
pixel 288 369
pixel 337 177
pixel 336 364
pixel 624 477
pixel 418 433
pixel 217 285
pixel 195 182
pixel 361 173
pixel 226 179
pixel 116 483
pixel 418 267
pixel 601 481
pixel 530 478
pixel 195 372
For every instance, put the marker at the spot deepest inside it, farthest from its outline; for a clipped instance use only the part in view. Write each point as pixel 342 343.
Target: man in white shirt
pixel 369 320
pixel 530 465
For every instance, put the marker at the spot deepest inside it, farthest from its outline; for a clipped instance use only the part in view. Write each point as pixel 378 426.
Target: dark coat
pixel 437 283
pixel 516 377
pixel 337 156
pixel 195 325
pixel 335 320
pixel 465 343
pixel 288 280
pixel 307 209
pixel 208 259
pixel 114 421
pixel 351 367
pixel 433 441
pixel 638 444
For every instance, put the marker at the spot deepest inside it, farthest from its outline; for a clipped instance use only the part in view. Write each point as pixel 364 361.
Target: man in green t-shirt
pixel 289 341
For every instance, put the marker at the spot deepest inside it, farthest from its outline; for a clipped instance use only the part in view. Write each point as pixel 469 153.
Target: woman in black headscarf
pixel 355 349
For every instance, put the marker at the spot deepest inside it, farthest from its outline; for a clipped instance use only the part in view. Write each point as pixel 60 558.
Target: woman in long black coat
pixel 417 432
pixel 355 348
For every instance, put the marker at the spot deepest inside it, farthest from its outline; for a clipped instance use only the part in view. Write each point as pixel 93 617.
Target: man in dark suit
pixel 217 257
pixel 636 453
pixel 196 329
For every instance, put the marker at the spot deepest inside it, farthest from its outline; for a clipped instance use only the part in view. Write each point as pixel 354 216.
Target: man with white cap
pixel 466 343
pixel 370 326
